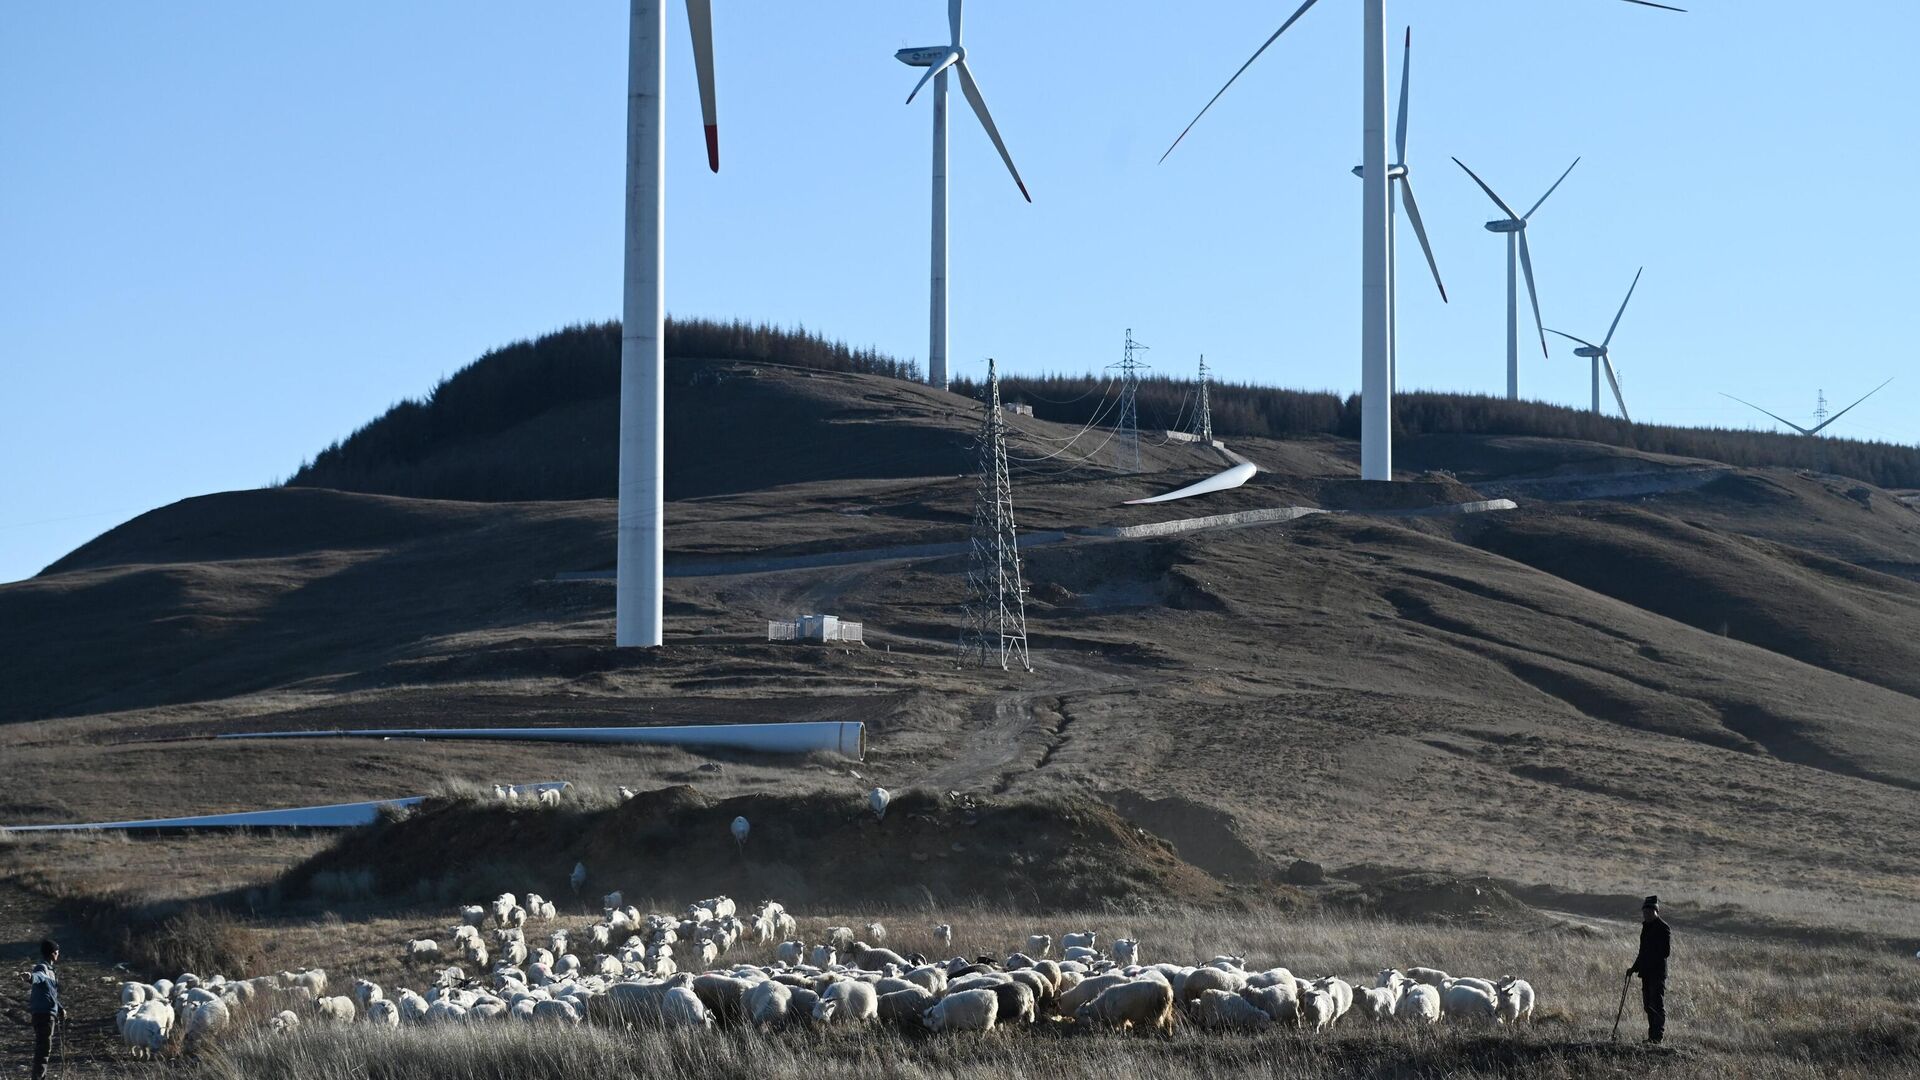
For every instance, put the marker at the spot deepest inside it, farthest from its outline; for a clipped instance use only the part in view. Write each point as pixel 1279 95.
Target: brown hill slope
pixel 1546 696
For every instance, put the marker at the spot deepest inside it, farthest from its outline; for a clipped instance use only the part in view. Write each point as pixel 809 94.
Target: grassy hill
pixel 1666 671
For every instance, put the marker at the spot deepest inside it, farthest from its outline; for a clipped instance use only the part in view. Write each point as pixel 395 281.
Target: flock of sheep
pixel 663 970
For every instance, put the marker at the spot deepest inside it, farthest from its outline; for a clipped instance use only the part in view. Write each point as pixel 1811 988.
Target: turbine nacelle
pixel 1509 225
pixel 1394 172
pixel 1590 352
pixel 928 55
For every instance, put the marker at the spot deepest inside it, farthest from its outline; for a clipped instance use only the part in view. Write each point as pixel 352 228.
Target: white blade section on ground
pixel 1222 481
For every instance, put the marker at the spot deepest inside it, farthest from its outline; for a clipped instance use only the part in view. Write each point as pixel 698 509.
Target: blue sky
pixel 232 232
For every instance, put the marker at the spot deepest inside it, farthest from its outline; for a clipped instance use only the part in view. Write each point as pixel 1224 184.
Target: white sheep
pixel 823 956
pixel 679 1006
pixel 1126 952
pixel 338 1009
pixel 1141 1004
pixel 422 951
pixel 1375 1002
pixel 877 801
pixel 1085 939
pixel 1515 1000
pixel 740 828
pixel 767 1004
pixel 790 953
pixel 968 1010
pixel 1218 1010
pixel 578 877
pixel 877 933
pixel 284 1020
pixel 549 797
pixel 1342 993
pixel 613 902
pixel 943 934
pixel 383 1013
pixel 1039 945
pixel 148 1027
pixel 413 1007
pixel 555 1011
pixel 1464 1001
pixel 1316 1010
pixel 847 1001
pixel 1278 1000
pixel 365 993
pixel 1418 1004
pixel 1433 977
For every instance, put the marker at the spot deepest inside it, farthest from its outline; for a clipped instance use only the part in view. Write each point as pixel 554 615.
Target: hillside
pixel 1663 672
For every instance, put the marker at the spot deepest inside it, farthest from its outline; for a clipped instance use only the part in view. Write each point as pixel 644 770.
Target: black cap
pixel 1652 902
pixel 48 947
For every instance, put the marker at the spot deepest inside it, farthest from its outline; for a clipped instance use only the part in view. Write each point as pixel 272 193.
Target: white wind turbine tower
pixel 1404 186
pixel 937 59
pixel 1598 353
pixel 1376 394
pixel 1515 227
pixel 638 601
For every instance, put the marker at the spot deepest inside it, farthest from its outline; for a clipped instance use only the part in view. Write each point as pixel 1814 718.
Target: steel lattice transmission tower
pixel 1203 416
pixel 1820 410
pixel 1128 430
pixel 996 612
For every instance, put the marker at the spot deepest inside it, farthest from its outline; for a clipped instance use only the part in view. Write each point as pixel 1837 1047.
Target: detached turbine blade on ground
pixel 1526 264
pixel 1776 416
pixel 1497 200
pixel 1613 379
pixel 1849 408
pixel 1420 230
pixel 1528 216
pixel 1294 18
pixel 700 21
pixel 1623 307
pixel 972 90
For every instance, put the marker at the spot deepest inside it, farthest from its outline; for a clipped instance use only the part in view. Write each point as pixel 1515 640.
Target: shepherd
pixel 1656 942
pixel 43 1003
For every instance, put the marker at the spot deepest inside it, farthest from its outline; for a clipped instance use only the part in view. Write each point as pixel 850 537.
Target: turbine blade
pixel 953 19
pixel 1291 19
pixel 1406 80
pixel 1844 411
pixel 1613 379
pixel 1556 186
pixel 972 90
pixel 1497 200
pixel 1623 308
pixel 1776 416
pixel 1570 337
pixel 700 21
pixel 952 57
pixel 1526 264
pixel 1642 3
pixel 1420 230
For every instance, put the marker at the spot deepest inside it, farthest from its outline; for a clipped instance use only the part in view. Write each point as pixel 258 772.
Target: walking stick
pixel 1622 1011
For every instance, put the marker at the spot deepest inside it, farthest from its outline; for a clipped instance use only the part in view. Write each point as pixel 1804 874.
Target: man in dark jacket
pixel 1656 942
pixel 43 1002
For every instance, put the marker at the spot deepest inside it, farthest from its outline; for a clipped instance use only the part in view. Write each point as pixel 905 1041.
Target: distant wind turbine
pixel 1817 428
pixel 640 537
pixel 1376 376
pixel 937 59
pixel 1515 227
pixel 1598 353
pixel 1404 186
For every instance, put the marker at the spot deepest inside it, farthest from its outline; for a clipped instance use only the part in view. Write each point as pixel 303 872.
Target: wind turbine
pixel 1400 173
pixel 638 601
pixel 1376 393
pixel 1815 429
pixel 1515 227
pixel 1598 353
pixel 937 59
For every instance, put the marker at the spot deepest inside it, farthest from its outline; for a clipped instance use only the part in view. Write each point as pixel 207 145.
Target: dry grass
pixel 1739 1008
